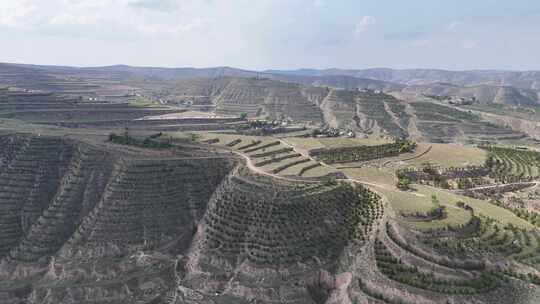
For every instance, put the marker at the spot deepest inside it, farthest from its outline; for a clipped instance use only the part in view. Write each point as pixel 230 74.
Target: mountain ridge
pixel 487 86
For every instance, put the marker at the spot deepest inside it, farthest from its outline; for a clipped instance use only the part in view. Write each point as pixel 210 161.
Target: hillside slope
pixel 83 222
pixel 483 93
pixel 378 113
pixel 253 96
pixel 116 81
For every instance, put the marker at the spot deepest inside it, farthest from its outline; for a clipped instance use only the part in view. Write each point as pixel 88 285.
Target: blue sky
pixel 285 34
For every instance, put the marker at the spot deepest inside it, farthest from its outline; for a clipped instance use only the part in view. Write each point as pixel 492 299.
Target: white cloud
pixel 453 26
pixel 13 13
pixel 71 31
pixel 364 24
pixel 105 19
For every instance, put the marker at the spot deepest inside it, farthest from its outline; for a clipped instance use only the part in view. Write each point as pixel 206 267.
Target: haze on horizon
pixel 273 34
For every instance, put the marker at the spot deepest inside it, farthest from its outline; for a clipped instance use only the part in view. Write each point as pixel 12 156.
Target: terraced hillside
pixel 508 162
pixel 66 81
pixel 255 96
pixel 410 271
pixel 71 204
pixel 339 108
pixel 256 225
pixel 40 107
pixel 272 157
pixel 48 107
pixel 382 112
pixel 263 97
pixel 93 220
pixel 370 113
pixel 101 203
pixel 82 220
pixel 485 94
pixel 443 123
pixel 365 112
pixel 375 113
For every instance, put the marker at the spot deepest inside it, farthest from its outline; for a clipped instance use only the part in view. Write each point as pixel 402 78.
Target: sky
pixel 274 34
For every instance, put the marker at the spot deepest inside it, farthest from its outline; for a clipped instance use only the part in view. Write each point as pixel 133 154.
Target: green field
pixel 449 155
pixel 310 143
pixel 383 180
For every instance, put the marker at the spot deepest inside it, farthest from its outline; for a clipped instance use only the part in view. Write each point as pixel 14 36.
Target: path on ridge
pixel 255 169
pixel 260 171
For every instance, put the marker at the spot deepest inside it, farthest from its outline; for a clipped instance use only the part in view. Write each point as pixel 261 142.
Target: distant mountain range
pixel 519 79
pixel 488 86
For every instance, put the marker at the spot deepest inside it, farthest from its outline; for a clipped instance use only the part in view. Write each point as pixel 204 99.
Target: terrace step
pixel 28 186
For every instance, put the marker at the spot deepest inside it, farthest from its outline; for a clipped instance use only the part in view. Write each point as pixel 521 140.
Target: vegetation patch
pixel 433 112
pixel 410 275
pixel 274 152
pixel 276 159
pixel 150 142
pixel 266 146
pixel 234 142
pixel 513 165
pixel 275 224
pixel 363 153
pixel 436 213
pixel 288 165
pixel 307 168
pixel 252 144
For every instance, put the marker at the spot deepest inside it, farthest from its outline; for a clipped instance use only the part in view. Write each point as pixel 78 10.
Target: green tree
pixel 403 183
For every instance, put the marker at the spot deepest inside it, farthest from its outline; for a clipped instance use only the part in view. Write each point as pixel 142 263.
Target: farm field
pixel 482 207
pixel 448 155
pixel 270 155
pixel 383 179
pixel 421 201
pixel 509 161
pixel 318 143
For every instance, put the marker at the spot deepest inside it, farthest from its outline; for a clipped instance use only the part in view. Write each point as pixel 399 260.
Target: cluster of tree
pixel 328 132
pixel 363 153
pixel 465 177
pixel 438 211
pixel 409 246
pixel 464 206
pixel 410 275
pixel 150 142
pixel 533 218
pixel 406 145
pixel 403 183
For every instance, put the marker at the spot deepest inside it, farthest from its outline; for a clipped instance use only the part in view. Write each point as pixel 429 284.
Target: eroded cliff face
pixel 82 217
